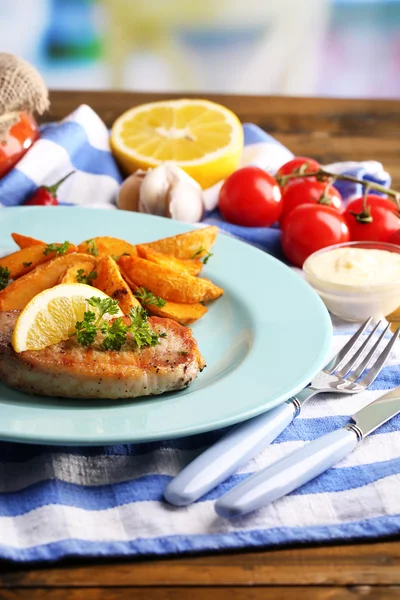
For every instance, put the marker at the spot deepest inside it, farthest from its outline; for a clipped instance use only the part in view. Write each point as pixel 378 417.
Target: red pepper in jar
pixel 17 142
pixel 46 195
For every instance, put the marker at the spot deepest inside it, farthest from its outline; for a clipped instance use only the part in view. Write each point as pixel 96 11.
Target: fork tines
pixel 363 357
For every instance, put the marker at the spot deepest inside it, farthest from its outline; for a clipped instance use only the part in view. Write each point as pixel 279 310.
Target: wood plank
pixel 288 113
pixel 215 593
pixel 329 130
pixel 376 563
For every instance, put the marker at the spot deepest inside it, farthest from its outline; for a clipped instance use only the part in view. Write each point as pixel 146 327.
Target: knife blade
pixel 376 413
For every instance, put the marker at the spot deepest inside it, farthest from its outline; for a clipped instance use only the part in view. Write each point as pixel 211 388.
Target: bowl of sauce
pixel 356 280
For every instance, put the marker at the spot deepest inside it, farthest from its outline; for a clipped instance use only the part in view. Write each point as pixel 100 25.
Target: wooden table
pixel 328 130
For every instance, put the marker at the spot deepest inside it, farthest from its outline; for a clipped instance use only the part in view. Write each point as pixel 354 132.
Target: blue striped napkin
pixel 107 501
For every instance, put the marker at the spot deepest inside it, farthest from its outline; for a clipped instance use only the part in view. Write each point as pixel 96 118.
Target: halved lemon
pixel 205 139
pixel 50 317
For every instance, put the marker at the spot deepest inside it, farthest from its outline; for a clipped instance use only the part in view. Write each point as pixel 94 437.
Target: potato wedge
pixel 167 283
pixel 187 245
pixel 18 293
pixel 24 241
pixel 69 276
pixel 107 246
pixel 191 266
pixel 110 281
pixel 23 261
pixel 185 314
pixel 181 313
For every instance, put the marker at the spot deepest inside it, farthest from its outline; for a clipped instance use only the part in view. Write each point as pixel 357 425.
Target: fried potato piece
pixel 107 246
pixel 181 313
pixel 24 241
pixel 191 266
pixel 18 293
pixel 187 245
pixel 110 281
pixel 185 314
pixel 167 283
pixel 23 261
pixel 70 274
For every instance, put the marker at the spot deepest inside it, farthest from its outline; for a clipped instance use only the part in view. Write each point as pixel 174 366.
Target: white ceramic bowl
pixel 356 302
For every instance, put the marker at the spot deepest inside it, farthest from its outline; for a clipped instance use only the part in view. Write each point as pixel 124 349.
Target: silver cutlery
pixel 301 466
pixel 247 440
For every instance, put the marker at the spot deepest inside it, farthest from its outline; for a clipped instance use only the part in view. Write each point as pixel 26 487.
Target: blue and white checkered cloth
pixel 107 501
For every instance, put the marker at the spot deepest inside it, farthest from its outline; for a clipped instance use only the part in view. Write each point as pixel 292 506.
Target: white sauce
pixel 356 266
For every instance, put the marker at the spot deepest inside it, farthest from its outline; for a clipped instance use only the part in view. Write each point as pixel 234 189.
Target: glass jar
pixel 18 141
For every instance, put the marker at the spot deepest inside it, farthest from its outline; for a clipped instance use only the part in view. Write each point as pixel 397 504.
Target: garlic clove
pixel 128 195
pixel 168 191
pixel 154 191
pixel 185 202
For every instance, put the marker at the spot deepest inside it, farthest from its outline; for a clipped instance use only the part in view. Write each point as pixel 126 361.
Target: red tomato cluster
pixel 309 211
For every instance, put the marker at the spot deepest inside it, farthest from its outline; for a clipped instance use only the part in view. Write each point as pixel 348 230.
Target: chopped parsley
pixel 81 276
pixel 4 277
pixel 59 249
pixel 115 332
pixel 91 247
pixel 147 297
pixel 204 253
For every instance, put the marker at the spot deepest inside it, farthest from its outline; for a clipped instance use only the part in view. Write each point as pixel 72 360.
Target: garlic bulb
pixel 168 191
pixel 128 196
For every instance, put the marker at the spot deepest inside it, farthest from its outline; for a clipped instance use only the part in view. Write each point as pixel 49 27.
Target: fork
pixel 247 440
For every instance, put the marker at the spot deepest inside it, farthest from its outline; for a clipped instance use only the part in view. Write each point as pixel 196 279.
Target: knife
pixel 299 467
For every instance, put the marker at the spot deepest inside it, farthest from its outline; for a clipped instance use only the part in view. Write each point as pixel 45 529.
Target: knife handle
pixel 287 474
pixel 222 459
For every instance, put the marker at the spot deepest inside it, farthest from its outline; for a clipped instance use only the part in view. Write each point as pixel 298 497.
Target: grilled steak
pixel 69 370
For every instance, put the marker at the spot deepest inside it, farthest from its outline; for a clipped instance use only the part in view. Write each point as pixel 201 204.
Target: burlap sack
pixel 21 88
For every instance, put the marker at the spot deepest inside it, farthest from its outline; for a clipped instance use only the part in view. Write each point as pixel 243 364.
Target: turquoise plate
pixel 263 341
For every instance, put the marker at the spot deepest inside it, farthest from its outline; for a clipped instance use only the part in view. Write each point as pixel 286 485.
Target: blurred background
pixel 339 48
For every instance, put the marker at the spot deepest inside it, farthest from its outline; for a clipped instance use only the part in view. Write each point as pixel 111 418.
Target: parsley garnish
pixel 91 247
pixel 141 330
pixel 106 306
pixel 115 332
pixel 59 249
pixel 207 256
pixel 81 276
pixel 27 264
pixel 86 330
pixel 147 297
pixel 117 256
pixel 4 277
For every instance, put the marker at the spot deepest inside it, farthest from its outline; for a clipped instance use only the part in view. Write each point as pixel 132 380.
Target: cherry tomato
pixel 310 227
pixel 250 197
pixel 395 238
pixel 305 191
pixel 18 141
pixel 296 163
pixel 385 219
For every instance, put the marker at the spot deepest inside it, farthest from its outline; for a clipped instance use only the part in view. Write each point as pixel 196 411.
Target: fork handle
pixel 222 459
pixel 287 474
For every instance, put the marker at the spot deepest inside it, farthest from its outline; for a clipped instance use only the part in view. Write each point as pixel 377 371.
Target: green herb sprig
pixel 81 276
pixel 115 333
pixel 200 252
pixel 4 277
pixel 91 247
pixel 26 264
pixel 59 249
pixel 147 297
pixel 140 328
